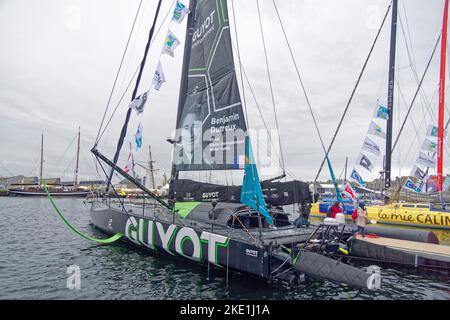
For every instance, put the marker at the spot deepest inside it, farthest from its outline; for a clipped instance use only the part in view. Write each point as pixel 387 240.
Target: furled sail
pixel 210 123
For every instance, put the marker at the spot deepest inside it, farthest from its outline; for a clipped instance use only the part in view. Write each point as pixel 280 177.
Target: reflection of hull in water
pixel 417 215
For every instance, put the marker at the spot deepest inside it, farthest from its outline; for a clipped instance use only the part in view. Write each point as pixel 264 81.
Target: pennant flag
pixel 409 184
pixel 371 146
pixel 180 12
pixel 376 130
pixel 251 192
pixel 357 178
pixel 138 104
pixel 432 131
pixel 429 146
pixel 170 44
pixel 348 191
pixel 382 113
pixel 130 164
pixel 426 160
pixel 363 161
pixel 138 137
pixel 158 78
pixel 446 184
pixel 418 173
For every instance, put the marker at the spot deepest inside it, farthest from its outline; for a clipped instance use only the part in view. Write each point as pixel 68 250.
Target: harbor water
pixel 37 250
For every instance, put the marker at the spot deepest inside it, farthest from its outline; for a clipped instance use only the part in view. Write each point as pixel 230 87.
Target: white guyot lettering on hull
pixel 131 230
pixel 135 232
pixel 213 240
pixel 166 236
pixel 188 234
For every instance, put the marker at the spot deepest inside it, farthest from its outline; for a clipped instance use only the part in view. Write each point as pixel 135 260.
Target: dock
pixel 426 250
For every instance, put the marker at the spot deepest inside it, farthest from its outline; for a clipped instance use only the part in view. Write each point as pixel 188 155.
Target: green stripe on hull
pixel 184 208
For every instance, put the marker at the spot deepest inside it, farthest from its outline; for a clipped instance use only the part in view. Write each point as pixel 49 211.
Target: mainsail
pixel 210 123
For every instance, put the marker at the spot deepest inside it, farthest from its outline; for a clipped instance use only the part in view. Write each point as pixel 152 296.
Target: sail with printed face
pixel 211 126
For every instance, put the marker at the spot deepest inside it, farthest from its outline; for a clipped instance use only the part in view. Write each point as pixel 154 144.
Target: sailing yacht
pixel 55 190
pixel 240 228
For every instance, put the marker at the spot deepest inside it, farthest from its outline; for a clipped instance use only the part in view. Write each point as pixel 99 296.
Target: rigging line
pixel 134 75
pixel 257 106
pixel 412 62
pixel 301 81
pixel 240 64
pixel 415 95
pixel 353 91
pixel 404 101
pixel 64 153
pixel 118 71
pixel 270 85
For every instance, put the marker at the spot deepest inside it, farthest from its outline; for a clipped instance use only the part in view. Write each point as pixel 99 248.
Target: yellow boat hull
pixel 402 214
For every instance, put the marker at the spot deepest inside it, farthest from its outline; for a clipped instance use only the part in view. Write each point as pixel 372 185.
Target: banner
pixel 170 44
pixel 418 173
pixel 348 191
pixel 354 176
pixel 409 184
pixel 138 104
pixel 158 78
pixel 429 146
pixel 364 162
pixel 426 160
pixel 382 113
pixel 180 12
pixel 211 125
pixel 432 131
pixel 376 130
pixel 130 163
pixel 371 146
pixel 138 137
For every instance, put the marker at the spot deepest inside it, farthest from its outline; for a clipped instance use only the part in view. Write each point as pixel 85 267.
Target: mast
pixel 123 133
pixel 440 145
pixel 75 184
pixel 390 96
pixel 184 82
pixel 151 169
pixel 42 159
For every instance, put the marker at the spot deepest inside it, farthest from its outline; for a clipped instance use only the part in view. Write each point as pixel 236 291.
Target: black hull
pixel 190 242
pixel 78 194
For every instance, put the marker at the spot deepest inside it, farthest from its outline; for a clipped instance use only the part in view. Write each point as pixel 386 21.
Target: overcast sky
pixel 58 60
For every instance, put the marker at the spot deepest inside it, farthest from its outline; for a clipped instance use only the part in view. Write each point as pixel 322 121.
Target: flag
pixel 180 11
pixel 432 131
pixel 426 160
pixel 429 146
pixel 418 173
pixel 382 112
pixel 376 130
pixel 170 44
pixel 138 137
pixel 409 184
pixel 363 161
pixel 138 104
pixel 251 192
pixel 348 191
pixel 130 164
pixel 371 146
pixel 158 78
pixel 446 183
pixel 357 178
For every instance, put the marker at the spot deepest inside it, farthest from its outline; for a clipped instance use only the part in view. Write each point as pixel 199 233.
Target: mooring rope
pixel 112 239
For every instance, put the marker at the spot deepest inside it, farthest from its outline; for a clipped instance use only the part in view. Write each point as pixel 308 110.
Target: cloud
pixel 59 58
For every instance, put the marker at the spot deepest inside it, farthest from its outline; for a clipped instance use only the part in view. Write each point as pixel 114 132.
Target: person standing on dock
pixel 361 218
pixel 335 209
